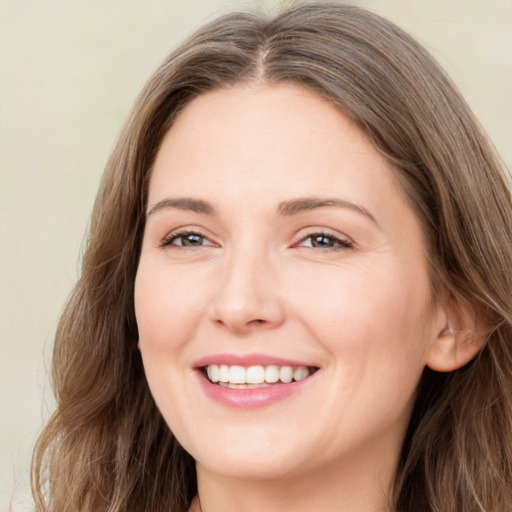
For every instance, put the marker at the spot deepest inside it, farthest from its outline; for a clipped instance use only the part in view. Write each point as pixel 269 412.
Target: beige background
pixel 69 71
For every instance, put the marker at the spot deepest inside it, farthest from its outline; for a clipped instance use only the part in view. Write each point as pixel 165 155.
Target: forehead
pixel 248 131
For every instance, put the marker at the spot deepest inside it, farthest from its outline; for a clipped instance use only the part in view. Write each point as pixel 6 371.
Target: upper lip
pixel 247 360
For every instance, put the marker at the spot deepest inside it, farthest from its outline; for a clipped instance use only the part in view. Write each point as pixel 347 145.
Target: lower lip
pixel 251 398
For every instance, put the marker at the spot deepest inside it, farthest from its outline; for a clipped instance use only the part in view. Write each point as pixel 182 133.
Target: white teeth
pixel 238 376
pixel 271 374
pixel 223 372
pixel 286 374
pixel 243 386
pixel 213 373
pixel 255 375
pixel 300 373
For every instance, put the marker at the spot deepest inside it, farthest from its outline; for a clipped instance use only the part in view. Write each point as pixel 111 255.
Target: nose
pixel 247 295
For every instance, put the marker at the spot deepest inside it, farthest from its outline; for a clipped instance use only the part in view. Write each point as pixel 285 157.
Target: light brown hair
pixel 107 448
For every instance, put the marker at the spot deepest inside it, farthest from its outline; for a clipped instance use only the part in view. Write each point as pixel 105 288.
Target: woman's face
pixel 278 246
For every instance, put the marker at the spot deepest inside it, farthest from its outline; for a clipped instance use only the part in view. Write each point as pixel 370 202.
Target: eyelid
pixel 182 232
pixel 344 241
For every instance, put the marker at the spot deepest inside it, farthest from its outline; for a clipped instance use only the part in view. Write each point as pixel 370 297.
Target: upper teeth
pixel 255 374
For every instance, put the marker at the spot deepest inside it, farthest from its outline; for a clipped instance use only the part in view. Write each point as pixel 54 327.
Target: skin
pixel 361 311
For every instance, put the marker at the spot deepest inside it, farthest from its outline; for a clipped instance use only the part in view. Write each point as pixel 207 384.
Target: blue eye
pixel 187 239
pixel 324 241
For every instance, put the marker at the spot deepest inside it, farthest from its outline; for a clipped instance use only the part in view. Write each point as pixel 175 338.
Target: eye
pixel 324 241
pixel 186 239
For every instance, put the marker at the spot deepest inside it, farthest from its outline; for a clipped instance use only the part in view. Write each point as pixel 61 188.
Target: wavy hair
pixel 107 448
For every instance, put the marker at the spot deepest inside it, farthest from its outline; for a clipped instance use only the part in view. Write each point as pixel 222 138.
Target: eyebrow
pixel 296 206
pixel 285 208
pixel 183 203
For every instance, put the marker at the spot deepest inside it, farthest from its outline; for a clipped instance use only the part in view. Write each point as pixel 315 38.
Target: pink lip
pixel 247 360
pixel 249 398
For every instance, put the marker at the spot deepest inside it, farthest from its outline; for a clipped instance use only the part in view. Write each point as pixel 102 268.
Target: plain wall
pixel 69 71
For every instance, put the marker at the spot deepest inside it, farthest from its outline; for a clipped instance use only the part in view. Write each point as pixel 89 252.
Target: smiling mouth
pixel 258 376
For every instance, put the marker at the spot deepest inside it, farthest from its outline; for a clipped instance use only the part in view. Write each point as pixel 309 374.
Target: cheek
pixel 369 320
pixel 167 314
pixel 167 306
pixel 377 333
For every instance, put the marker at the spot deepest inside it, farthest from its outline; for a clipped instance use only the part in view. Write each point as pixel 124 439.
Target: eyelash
pixel 338 243
pixel 182 234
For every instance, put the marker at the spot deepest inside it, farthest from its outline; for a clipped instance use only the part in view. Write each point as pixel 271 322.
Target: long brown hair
pixel 107 448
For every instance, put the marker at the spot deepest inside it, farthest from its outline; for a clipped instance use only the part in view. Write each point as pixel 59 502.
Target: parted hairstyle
pixel 107 448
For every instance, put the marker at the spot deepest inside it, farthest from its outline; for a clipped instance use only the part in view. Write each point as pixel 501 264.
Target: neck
pixel 329 491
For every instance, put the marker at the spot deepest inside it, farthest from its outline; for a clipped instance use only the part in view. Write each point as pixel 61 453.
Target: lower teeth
pixel 244 386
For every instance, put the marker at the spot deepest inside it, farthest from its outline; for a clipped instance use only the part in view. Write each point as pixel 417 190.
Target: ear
pixel 460 337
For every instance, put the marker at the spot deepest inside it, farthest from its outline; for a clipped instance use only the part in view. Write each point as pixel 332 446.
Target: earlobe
pixel 458 341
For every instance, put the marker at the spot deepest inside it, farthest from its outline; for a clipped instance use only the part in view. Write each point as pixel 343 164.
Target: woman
pixel 296 288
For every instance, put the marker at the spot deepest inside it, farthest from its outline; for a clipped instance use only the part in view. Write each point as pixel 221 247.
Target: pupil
pixel 192 240
pixel 322 241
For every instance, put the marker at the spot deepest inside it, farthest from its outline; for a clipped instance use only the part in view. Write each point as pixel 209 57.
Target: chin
pixel 256 458
pixel 259 469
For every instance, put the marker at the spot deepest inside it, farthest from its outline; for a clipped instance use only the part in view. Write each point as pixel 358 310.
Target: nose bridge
pixel 247 295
